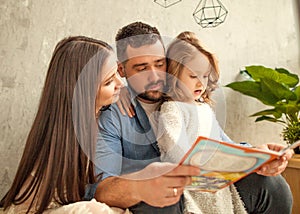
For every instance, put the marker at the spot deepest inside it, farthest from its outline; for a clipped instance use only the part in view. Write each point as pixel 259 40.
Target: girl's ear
pixel 121 70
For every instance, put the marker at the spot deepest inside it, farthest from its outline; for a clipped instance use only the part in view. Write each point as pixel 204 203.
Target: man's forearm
pixel 154 185
pixel 117 192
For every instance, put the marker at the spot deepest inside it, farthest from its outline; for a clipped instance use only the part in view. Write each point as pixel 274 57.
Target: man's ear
pixel 121 70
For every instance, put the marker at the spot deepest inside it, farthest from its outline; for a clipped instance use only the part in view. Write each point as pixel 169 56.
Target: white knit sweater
pixel 179 125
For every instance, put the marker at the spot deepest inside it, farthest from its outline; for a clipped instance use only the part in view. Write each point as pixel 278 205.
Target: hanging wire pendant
pixel 166 3
pixel 210 13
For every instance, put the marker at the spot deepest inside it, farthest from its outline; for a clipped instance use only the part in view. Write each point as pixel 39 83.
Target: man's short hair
pixel 136 34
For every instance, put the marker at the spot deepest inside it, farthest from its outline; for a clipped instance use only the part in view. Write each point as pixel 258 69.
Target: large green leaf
pixel 257 72
pixel 277 88
pixel 271 119
pixel 249 88
pixel 288 108
pixel 253 89
pixel 271 87
pixel 295 76
pixel 275 112
pixel 297 92
pixel 279 75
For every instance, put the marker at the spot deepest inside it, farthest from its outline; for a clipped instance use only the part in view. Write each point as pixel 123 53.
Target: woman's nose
pixel 119 81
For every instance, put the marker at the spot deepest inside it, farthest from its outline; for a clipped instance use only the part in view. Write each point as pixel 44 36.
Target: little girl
pixel 186 114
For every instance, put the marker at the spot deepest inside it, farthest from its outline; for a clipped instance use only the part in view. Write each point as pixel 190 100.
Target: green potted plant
pixel 279 89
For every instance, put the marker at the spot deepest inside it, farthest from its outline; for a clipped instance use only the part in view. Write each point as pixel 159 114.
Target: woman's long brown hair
pixel 55 165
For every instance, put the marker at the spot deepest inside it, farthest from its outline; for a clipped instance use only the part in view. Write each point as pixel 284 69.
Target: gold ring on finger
pixel 175 191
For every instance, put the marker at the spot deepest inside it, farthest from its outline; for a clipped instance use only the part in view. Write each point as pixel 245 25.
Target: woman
pixel 57 163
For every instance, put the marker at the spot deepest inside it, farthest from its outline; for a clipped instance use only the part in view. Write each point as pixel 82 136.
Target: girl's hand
pixel 124 103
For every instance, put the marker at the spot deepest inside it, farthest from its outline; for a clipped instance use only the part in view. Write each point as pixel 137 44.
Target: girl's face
pixel 109 89
pixel 194 76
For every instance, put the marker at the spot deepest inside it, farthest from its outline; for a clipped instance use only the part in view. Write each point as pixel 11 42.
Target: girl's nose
pixel 199 82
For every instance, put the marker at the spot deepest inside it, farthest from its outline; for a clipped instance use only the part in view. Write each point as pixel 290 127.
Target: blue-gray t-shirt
pixel 126 145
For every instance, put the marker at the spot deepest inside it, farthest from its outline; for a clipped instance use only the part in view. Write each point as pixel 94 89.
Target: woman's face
pixel 111 83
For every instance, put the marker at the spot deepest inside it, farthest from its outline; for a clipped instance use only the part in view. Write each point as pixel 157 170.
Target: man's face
pixel 145 71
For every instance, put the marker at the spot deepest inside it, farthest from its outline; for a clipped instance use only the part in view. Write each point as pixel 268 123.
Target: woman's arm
pixel 124 103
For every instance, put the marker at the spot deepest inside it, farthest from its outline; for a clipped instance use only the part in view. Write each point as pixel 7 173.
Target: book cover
pixel 223 163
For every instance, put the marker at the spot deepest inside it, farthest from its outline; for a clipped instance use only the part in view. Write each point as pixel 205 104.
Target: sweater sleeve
pixel 171 135
pixel 224 137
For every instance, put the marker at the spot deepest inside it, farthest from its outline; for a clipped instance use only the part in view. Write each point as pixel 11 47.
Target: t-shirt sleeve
pixel 108 155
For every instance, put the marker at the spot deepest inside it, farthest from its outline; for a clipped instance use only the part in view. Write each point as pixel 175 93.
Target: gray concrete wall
pixel 255 32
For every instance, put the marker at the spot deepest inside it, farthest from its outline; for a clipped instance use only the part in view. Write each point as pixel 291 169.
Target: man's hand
pixel 162 184
pixel 277 166
pixel 158 184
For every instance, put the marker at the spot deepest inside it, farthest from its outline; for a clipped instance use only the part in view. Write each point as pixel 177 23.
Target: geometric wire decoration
pixel 210 13
pixel 166 3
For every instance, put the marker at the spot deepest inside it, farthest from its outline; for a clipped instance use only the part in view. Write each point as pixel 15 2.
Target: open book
pixel 223 163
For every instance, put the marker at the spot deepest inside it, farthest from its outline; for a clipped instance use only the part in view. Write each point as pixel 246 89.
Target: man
pixel 127 146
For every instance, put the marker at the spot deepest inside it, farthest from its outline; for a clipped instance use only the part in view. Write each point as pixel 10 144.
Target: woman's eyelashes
pixel 110 80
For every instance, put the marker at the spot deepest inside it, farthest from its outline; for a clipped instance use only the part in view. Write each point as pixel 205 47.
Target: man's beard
pixel 153 96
